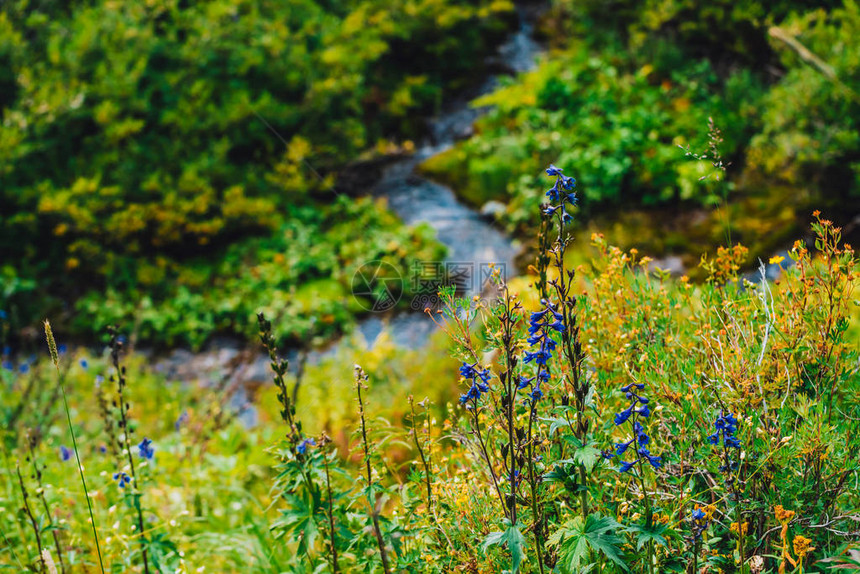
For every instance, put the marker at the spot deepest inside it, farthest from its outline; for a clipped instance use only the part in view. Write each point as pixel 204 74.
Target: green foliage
pixel 215 496
pixel 512 538
pixel 809 134
pixel 577 539
pixel 617 122
pixel 137 143
pixel 627 83
pixel 306 268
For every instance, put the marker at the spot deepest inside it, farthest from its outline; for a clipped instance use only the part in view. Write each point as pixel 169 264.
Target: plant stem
pixel 116 346
pixel 360 377
pixel 538 519
pixel 25 496
pixel 489 463
pixel 334 566
pixel 38 475
pixel 81 470
pixel 423 459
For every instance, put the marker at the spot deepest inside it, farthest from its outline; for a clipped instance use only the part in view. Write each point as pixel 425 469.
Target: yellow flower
pixel 784 516
pixel 776 260
pixel 802 546
pixel 734 527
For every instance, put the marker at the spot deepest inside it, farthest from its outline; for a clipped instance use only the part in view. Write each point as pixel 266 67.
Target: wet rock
pixel 671 263
pixel 493 210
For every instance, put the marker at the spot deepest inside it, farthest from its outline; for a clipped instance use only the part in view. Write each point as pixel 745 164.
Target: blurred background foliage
pixel 139 166
pixel 627 87
pixel 164 162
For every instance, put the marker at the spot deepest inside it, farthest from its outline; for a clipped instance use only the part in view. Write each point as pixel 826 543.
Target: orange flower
pixel 802 546
pixel 784 516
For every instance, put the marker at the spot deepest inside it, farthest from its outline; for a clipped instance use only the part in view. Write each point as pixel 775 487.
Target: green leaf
pixel 587 456
pixel 513 537
pixel 647 533
pixel 557 423
pixel 576 536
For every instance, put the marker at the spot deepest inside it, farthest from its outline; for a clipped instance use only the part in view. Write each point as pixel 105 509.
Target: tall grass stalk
pixel 52 347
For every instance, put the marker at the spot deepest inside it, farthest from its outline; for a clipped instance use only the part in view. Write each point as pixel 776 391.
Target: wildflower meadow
pixel 429 286
pixel 603 417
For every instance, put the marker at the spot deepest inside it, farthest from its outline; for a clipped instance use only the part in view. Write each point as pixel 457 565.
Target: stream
pixel 471 239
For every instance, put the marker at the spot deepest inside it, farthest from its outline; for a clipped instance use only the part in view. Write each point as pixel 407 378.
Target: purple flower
pixel 303 446
pixel 561 193
pixel 183 418
pixel 122 479
pixel 145 450
pixel 640 438
pixel 726 425
pixel 65 454
pixel 478 386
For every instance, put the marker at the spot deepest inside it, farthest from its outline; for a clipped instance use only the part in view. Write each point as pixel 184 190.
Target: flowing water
pixel 471 239
pixel 473 242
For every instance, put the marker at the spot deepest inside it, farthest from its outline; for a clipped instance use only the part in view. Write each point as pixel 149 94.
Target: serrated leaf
pixel 587 456
pixel 575 537
pixel 647 533
pixel 513 537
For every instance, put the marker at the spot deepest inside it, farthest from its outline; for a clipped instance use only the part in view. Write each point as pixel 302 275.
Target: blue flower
pixel 478 386
pixel 145 450
pixel 470 372
pixel 24 368
pixel 103 449
pixel 122 479
pixel 727 426
pixel 621 447
pixel 700 522
pixel 541 324
pixel 84 364
pixel 8 365
pixel 61 349
pixel 65 454
pixel 621 418
pixel 561 193
pixel 640 438
pixel 181 420
pixel 540 357
pixel 303 446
